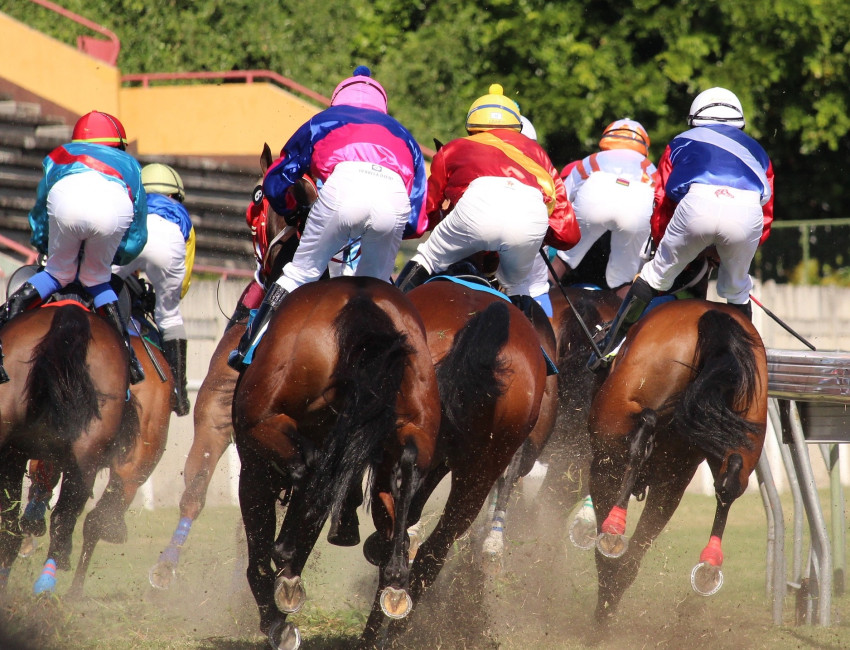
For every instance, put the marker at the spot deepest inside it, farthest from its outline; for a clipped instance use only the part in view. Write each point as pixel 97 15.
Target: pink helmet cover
pixel 360 90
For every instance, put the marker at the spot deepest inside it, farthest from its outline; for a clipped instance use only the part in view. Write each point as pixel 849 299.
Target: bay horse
pixel 689 384
pixel 151 402
pixel 56 408
pixel 341 382
pixel 493 388
pixel 275 244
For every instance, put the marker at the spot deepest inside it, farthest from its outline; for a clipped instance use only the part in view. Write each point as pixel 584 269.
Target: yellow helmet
pixel 625 134
pixel 158 178
pixel 493 111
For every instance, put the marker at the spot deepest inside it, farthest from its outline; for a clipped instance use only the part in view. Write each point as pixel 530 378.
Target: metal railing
pixel 106 51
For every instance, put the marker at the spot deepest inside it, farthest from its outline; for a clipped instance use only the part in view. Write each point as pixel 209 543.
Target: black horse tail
pixel 726 376
pixel 373 356
pixel 60 389
pixel 471 376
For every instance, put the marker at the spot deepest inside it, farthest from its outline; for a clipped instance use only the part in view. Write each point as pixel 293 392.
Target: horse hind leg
pixel 706 576
pixel 12 469
pixel 615 575
pixel 493 547
pixel 612 541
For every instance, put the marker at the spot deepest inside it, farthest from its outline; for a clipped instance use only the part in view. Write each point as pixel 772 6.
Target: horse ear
pixel 266 158
pixel 437 144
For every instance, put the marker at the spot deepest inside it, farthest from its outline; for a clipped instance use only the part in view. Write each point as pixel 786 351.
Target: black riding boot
pixel 110 311
pixel 25 296
pixel 746 309
pixel 241 312
pixel 175 352
pixel 639 296
pixel 274 296
pixel 412 275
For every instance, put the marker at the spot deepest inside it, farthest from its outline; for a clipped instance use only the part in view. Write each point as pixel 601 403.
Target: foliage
pixel 573 66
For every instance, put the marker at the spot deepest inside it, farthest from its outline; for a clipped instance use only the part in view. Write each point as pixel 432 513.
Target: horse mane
pixel 470 376
pixel 60 390
pixel 372 359
pixel 710 409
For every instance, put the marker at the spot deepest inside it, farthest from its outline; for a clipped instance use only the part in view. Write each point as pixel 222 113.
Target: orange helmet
pixel 625 134
pixel 98 127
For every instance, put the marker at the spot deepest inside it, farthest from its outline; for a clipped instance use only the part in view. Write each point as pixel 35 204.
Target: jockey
pixel 371 177
pixel 503 195
pixel 167 261
pixel 613 189
pixel 715 189
pixel 90 212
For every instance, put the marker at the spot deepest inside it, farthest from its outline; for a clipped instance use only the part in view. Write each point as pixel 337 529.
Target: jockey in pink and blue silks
pixel 371 178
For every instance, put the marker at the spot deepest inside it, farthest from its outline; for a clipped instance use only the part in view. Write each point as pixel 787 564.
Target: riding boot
pixel 110 311
pixel 639 296
pixel 746 309
pixel 25 296
pixel 175 352
pixel 257 326
pixel 412 275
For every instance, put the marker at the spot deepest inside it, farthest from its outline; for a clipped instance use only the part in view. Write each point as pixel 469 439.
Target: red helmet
pixel 98 127
pixel 625 134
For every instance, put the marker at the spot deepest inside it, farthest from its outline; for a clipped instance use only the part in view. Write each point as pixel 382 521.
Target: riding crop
pixel 580 320
pixel 782 324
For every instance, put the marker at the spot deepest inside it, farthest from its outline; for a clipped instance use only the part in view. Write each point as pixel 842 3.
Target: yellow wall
pixel 55 71
pixel 211 120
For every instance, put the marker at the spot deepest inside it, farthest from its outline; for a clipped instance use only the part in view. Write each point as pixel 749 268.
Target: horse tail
pixel 372 359
pixel 710 410
pixel 470 376
pixel 60 388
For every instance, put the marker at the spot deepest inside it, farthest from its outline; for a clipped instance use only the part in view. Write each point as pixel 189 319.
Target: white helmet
pixel 528 129
pixel 716 106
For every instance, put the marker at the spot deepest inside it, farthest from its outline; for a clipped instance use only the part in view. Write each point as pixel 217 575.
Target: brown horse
pixel 689 384
pixel 55 408
pixel 341 382
pixel 493 386
pixel 152 401
pixel 213 426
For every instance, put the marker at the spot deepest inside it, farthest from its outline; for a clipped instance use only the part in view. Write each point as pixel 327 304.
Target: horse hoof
pixel 706 579
pixel 491 565
pixel 373 549
pixel 29 546
pixel 583 533
pixel 162 575
pixel 612 546
pixel 289 594
pixel 395 603
pixel 284 636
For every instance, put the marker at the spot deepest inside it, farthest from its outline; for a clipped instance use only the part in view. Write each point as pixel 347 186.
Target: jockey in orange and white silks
pixel 613 190
pixel 503 194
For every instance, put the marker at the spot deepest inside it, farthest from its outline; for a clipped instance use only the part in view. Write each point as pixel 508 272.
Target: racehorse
pixel 152 401
pixel 342 381
pixel 275 244
pixel 492 377
pixel 689 384
pixel 55 408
